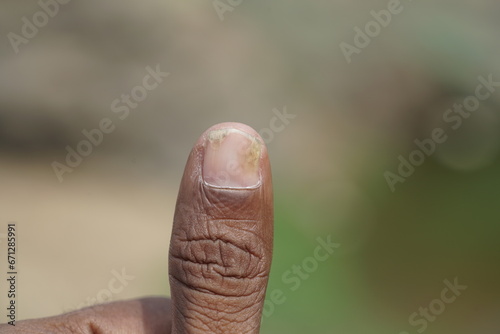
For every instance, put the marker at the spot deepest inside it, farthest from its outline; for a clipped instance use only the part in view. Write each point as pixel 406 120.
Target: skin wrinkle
pixel 209 319
pixel 217 291
pixel 215 233
pixel 236 309
pixel 215 308
pixel 200 312
pixel 193 264
pixel 218 317
pixel 195 322
pixel 229 204
pixel 224 241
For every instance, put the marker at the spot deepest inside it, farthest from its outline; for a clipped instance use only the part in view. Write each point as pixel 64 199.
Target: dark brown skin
pixel 220 251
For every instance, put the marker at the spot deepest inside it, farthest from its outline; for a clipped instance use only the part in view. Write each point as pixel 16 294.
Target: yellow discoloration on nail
pixel 215 137
pixel 253 153
pixel 232 158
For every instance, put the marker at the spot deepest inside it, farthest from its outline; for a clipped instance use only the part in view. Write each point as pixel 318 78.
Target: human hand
pixel 220 250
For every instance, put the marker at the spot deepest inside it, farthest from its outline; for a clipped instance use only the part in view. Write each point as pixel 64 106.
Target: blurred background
pixel 339 110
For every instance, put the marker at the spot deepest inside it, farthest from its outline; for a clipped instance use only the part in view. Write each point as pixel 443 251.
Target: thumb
pixel 221 247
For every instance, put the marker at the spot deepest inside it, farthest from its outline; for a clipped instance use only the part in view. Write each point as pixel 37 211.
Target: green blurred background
pixel 352 121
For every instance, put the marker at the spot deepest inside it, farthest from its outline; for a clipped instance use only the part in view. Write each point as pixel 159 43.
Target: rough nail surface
pixel 231 159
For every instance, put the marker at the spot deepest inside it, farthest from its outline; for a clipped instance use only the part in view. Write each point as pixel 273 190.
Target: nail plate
pixel 232 159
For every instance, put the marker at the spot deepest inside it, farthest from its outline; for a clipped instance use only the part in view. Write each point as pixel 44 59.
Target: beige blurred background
pixel 348 124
